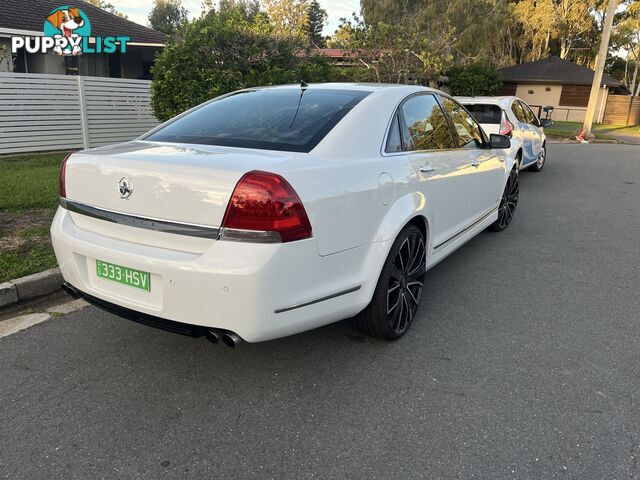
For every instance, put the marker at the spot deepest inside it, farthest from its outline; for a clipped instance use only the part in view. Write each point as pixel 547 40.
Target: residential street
pixel 524 363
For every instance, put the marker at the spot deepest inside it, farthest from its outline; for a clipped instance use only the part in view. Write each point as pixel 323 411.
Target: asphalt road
pixel 524 363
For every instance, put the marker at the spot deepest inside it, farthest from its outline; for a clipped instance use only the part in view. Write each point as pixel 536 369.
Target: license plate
pixel 125 275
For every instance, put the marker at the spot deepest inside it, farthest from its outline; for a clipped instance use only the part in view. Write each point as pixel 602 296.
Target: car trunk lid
pixel 188 184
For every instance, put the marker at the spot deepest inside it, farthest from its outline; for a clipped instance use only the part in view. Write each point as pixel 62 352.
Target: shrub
pixel 475 80
pixel 222 52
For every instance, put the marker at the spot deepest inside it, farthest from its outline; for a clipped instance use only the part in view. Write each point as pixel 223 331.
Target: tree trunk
pixel 546 44
pixel 626 71
pixel 635 76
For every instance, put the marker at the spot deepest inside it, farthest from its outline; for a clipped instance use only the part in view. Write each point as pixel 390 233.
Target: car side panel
pixel 536 134
pixel 488 182
pixel 521 132
pixel 346 199
pixel 446 189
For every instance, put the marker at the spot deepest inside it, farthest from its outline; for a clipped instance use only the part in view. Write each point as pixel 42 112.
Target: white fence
pixel 58 112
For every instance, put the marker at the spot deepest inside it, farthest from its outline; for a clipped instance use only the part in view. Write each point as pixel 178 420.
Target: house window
pixel 19 61
pixel 115 65
pixel 575 95
pixel 146 70
pixel 95 65
pixel 71 65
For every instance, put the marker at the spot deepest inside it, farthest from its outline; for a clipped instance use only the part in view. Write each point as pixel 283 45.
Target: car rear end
pixel 490 116
pixel 190 236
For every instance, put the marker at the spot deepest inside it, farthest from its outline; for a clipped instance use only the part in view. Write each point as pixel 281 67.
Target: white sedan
pixel 271 211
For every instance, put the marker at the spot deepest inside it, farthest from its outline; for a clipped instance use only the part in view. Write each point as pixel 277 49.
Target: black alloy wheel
pixel 406 283
pixel 508 203
pixel 399 289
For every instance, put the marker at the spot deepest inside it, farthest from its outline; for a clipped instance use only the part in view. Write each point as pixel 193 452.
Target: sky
pixel 138 10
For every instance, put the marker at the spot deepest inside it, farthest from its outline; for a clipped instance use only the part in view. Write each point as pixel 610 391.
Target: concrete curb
pixel 31 286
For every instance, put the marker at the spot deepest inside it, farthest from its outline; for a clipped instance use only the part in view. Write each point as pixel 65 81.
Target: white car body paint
pixel 357 199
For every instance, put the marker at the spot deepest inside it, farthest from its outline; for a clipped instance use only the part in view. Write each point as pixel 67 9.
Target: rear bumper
pixel 259 291
pixel 143 318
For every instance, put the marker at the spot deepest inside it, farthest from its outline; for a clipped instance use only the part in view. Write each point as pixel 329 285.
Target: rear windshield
pixel 485 113
pixel 273 119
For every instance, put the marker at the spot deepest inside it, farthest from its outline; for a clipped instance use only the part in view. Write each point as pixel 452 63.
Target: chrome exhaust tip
pixel 70 290
pixel 213 336
pixel 230 339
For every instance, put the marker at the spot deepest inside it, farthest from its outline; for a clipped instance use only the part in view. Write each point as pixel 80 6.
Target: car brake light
pixel 265 208
pixel 506 127
pixel 62 190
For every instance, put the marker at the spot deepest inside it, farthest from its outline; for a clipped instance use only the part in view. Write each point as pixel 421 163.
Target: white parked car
pixel 511 116
pixel 271 211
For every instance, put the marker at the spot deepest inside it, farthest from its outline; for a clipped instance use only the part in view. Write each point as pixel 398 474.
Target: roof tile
pixel 553 70
pixel 31 14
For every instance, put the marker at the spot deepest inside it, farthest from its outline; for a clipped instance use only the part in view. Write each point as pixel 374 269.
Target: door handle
pixel 427 167
pixel 475 163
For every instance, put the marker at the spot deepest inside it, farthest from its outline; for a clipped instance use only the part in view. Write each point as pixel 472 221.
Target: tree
pixel 401 52
pixel 223 51
pixel 248 8
pixel 288 17
pixel 571 19
pixel 316 20
pixel 167 15
pixel 628 38
pixel 476 25
pixel 344 36
pixel 535 18
pixel 107 7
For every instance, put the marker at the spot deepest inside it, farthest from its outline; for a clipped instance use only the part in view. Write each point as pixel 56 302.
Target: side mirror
pixel 546 122
pixel 499 141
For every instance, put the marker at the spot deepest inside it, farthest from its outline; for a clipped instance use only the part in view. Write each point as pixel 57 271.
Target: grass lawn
pixel 28 200
pixel 601 131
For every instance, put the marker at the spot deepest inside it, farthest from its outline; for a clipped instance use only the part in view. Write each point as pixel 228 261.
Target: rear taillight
pixel 265 208
pixel 62 190
pixel 506 127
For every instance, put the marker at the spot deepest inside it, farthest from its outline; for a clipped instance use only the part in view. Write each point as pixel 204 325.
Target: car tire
pixel 508 203
pixel 542 158
pixel 399 289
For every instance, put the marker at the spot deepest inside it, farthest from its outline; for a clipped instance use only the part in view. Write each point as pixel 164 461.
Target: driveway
pixel 524 363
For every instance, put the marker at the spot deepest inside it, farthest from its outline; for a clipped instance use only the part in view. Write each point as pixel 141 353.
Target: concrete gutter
pixel 31 286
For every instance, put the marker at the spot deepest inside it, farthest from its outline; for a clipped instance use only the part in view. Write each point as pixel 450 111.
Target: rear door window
pixel 486 113
pixel 394 140
pixel 424 124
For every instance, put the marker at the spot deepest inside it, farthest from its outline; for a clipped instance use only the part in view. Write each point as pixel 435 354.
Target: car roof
pixel 502 101
pixel 363 86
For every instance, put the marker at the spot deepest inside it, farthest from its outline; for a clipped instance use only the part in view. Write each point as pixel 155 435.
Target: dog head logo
pixel 70 23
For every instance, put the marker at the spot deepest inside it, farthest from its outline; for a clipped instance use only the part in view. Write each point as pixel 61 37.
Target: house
pixel 561 84
pixel 28 17
pixel 336 56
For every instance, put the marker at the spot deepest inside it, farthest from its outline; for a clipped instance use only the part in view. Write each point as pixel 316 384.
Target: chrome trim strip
pixel 148 223
pixel 466 229
pixel 328 297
